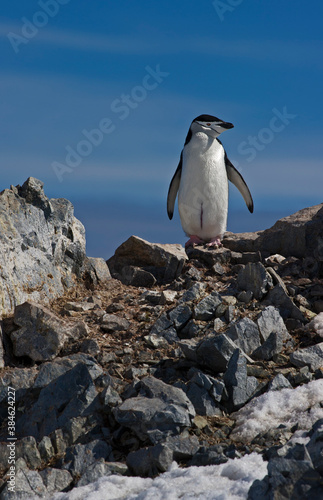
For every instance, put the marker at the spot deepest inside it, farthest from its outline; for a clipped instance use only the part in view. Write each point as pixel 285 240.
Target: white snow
pixel 288 406
pixel 229 481
pixel 317 324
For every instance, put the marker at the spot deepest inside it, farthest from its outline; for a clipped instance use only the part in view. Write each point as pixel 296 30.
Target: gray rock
pixel 206 308
pixel 46 449
pixel 110 398
pixel 164 326
pixel 214 386
pixel 150 461
pixel 240 387
pixel 155 341
pixel 230 313
pixel 96 470
pixel 213 455
pixel 42 244
pixel 170 335
pixel 27 484
pixel 118 468
pixel 215 352
pixel 152 297
pixel 278 297
pixel 208 256
pixel 270 321
pixel 241 242
pixel 189 348
pixel 135 276
pixel 277 278
pixel 134 373
pixel 70 395
pixel 53 369
pixel 168 296
pixel 94 368
pixel 254 278
pixel 5 452
pixel 180 315
pixel 183 446
pixel 113 323
pixel 310 356
pixel 59 442
pixel 143 415
pixel 191 330
pixel 192 275
pixel 218 324
pixel 302 376
pixel 218 270
pixel 168 259
pixel 78 306
pixel 202 400
pixel 272 345
pixel 245 335
pixel 315 446
pixel 279 382
pixel 158 406
pixel 19 378
pixel 162 323
pixel 73 430
pixel 81 456
pixel 221 310
pixel 26 448
pixel 99 270
pixel 42 334
pixel 194 292
pixel 288 478
pixel 152 387
pixel 297 235
pixel 244 258
pixel 245 296
pixel 55 479
pixel 90 346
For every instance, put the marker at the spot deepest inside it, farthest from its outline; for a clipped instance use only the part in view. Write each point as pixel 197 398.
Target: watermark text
pixel 266 135
pixel 30 27
pixel 11 445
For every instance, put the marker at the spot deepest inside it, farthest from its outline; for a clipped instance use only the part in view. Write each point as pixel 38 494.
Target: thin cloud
pixel 82 41
pixel 288 52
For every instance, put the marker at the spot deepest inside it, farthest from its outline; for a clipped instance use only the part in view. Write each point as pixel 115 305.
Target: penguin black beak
pixel 227 125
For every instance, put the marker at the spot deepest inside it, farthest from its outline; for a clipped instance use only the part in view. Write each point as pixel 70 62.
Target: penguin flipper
pixel 236 178
pixel 173 188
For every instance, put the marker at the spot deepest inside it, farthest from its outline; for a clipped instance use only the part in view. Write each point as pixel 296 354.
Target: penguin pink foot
pixel 194 240
pixel 215 242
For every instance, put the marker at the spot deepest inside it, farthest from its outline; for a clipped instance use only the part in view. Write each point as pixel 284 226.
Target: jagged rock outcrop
pixel 298 235
pixel 138 262
pixel 42 246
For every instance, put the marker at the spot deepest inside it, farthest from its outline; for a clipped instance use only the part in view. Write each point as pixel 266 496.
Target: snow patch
pixel 229 481
pixel 317 324
pixel 288 407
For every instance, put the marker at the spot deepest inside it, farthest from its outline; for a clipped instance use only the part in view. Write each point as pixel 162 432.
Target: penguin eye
pixel 208 124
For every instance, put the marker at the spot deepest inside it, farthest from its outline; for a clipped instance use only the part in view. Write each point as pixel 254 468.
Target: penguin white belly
pixel 203 193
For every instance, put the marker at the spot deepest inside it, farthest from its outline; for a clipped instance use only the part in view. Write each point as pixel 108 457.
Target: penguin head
pixel 210 125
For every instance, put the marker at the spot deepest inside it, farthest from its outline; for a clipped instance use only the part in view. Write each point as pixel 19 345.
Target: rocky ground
pixel 155 356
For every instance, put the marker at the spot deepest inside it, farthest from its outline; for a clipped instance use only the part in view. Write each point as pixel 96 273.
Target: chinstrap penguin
pixel 201 180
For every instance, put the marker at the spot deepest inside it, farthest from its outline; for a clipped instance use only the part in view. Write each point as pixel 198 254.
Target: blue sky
pixel 131 76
